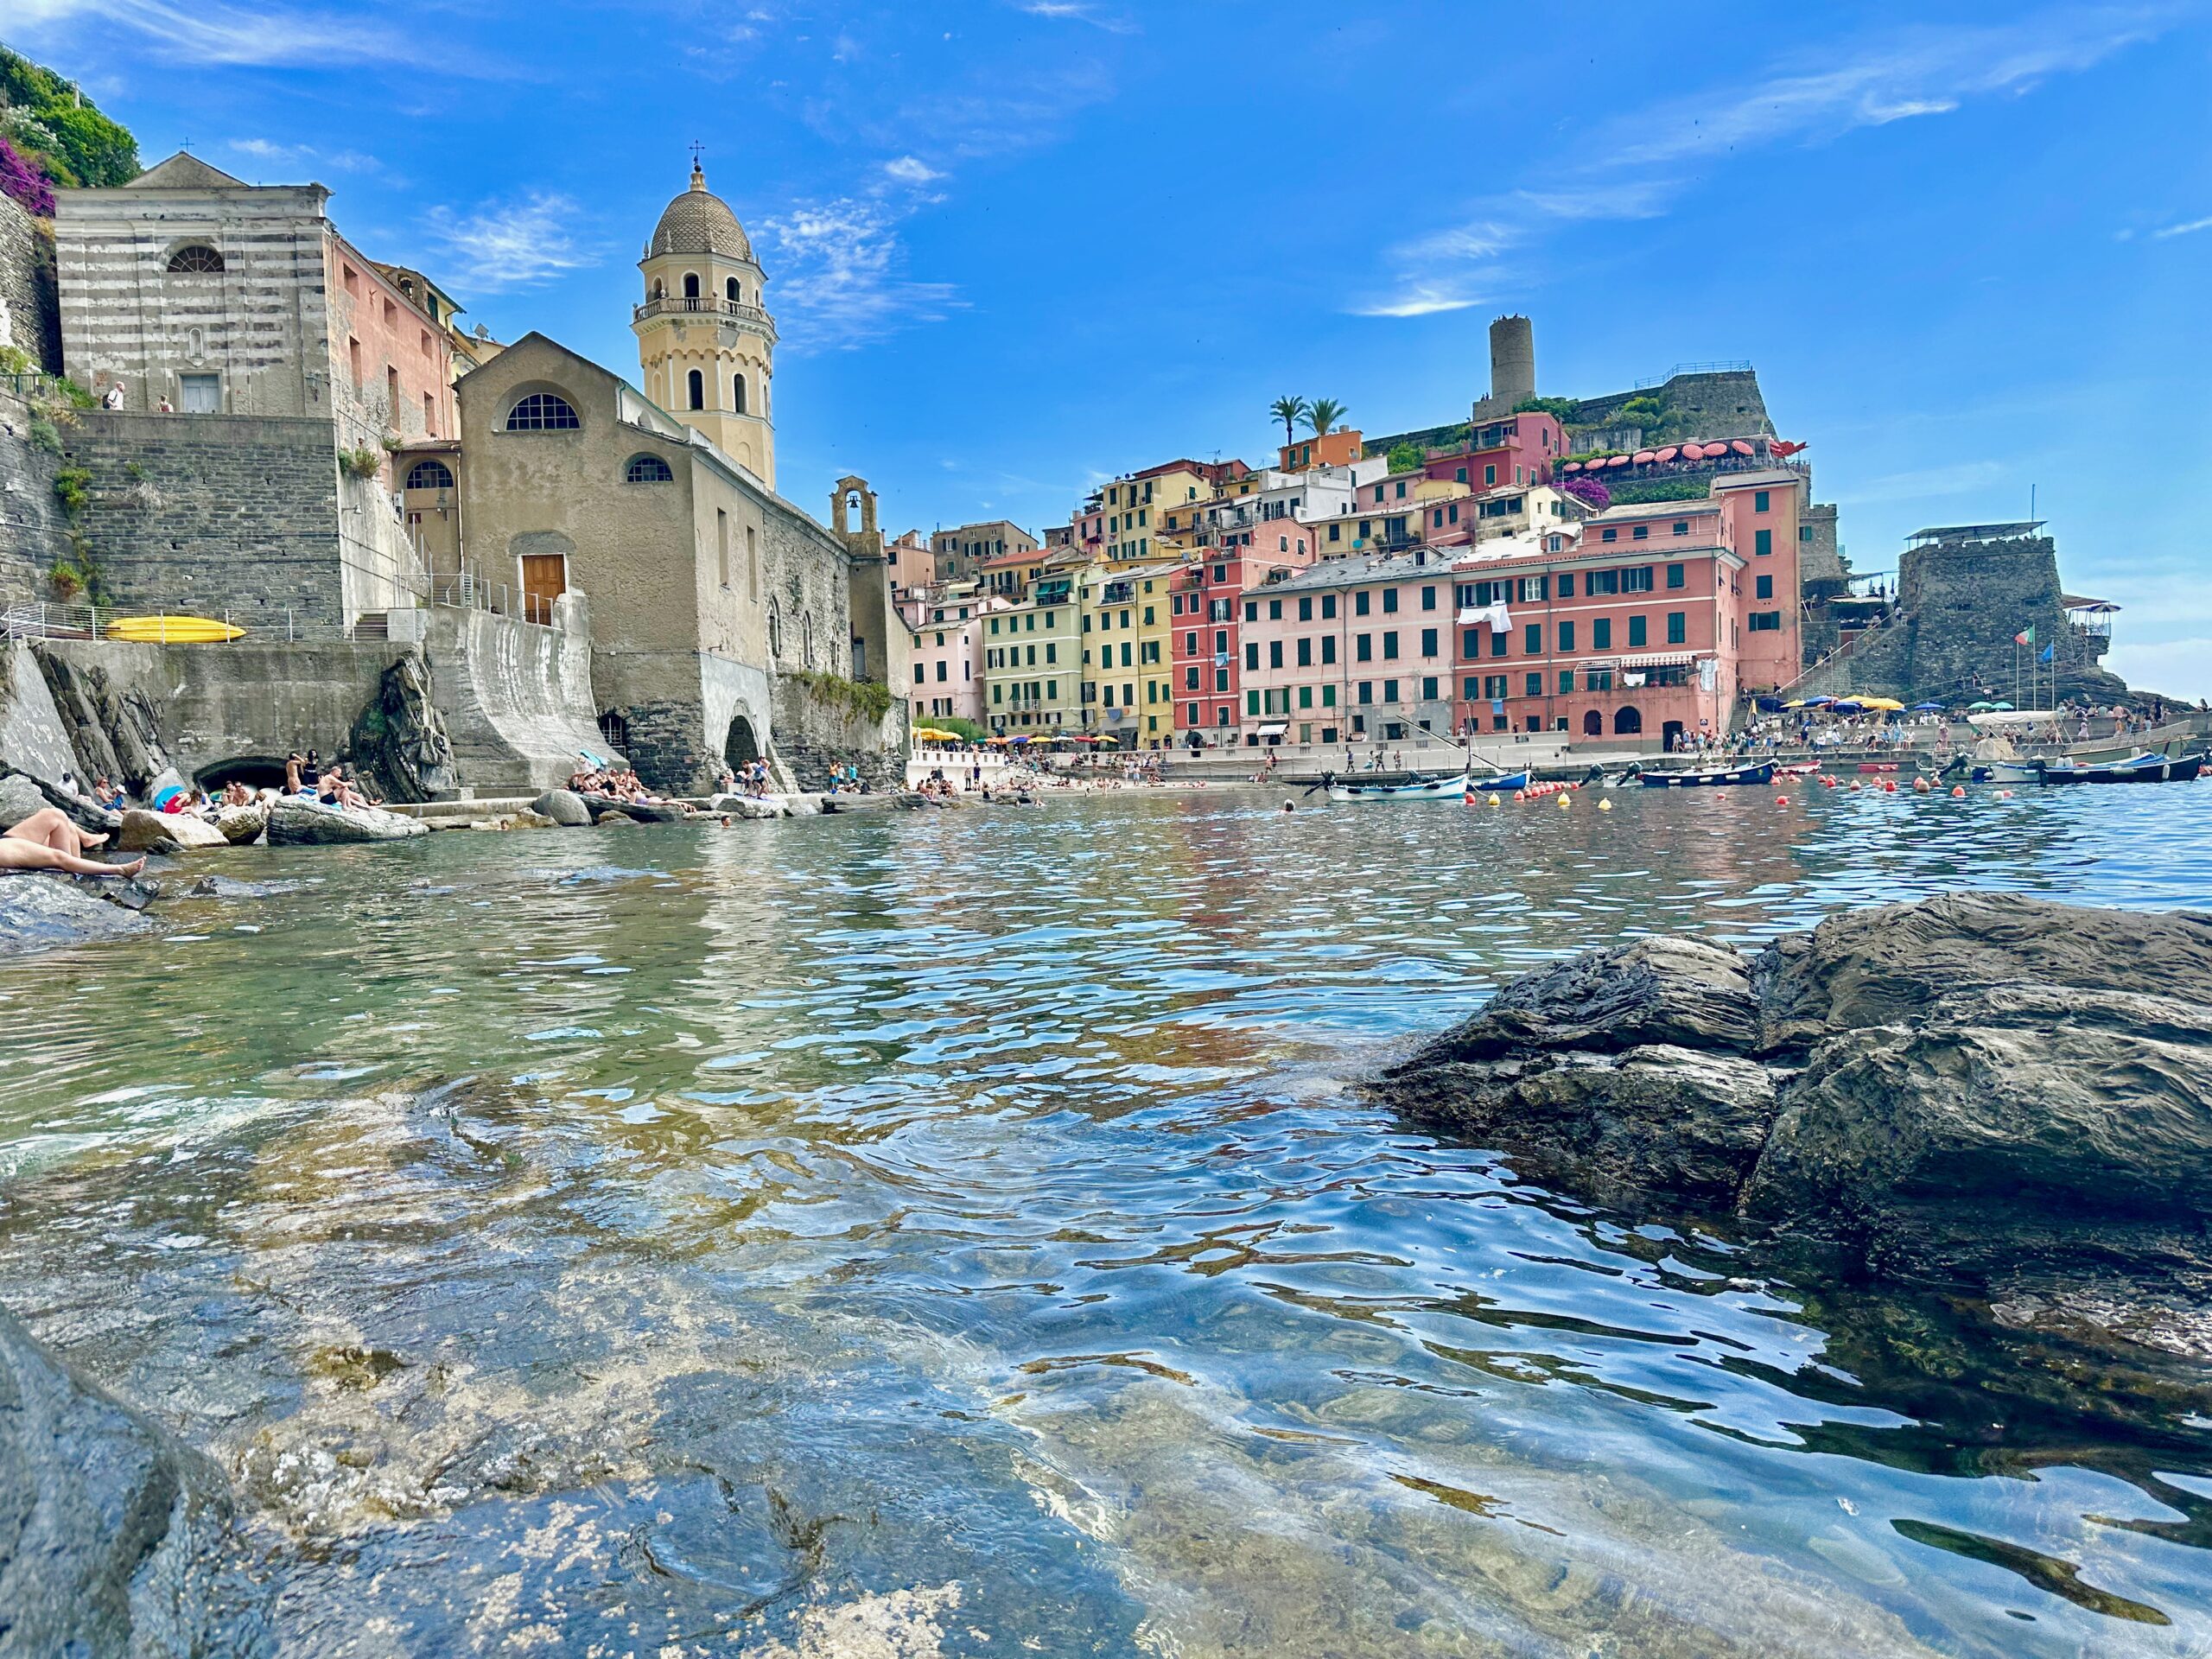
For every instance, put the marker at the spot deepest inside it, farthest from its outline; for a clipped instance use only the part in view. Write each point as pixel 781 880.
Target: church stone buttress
pixel 706 343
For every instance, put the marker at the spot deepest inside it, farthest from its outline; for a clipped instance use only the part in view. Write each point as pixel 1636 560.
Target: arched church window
pixel 429 475
pixel 195 259
pixel 543 412
pixel 737 393
pixel 736 293
pixel 647 469
pixel 690 285
pixel 660 289
pixel 775 630
pixel 695 387
pixel 806 637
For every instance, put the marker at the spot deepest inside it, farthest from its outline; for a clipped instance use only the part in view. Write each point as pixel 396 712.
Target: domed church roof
pixel 699 222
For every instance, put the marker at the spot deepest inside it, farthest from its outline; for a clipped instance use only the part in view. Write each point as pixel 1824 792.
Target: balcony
pixel 721 310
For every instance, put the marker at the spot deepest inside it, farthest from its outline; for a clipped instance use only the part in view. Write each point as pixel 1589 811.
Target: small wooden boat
pixel 1760 773
pixel 1413 789
pixel 1504 784
pixel 2137 769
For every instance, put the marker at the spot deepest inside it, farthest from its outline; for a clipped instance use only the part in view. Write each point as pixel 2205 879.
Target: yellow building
pixel 1130 693
pixel 1032 661
pixel 1141 508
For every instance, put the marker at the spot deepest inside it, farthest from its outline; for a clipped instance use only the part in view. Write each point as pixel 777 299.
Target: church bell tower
pixel 706 343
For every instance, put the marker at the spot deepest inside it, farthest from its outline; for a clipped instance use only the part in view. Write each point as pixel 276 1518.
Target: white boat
pixel 1454 788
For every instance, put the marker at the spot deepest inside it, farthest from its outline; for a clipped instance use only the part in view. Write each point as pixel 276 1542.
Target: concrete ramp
pixel 516 698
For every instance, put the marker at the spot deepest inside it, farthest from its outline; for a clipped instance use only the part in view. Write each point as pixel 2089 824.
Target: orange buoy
pixel 1958 791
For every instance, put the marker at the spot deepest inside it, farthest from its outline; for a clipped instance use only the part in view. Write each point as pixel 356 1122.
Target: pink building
pixel 1645 623
pixel 1351 651
pixel 945 663
pixel 1511 452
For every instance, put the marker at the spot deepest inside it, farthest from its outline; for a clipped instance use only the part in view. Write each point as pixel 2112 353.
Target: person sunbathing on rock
pixel 48 840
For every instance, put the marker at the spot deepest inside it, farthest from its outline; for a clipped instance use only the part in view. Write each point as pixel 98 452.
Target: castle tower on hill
pixel 706 343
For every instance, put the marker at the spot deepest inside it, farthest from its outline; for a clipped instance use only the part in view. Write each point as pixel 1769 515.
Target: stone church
pixel 722 616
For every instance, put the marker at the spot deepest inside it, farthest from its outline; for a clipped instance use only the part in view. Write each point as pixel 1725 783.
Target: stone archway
pixel 254 771
pixel 1627 721
pixel 1593 724
pixel 741 747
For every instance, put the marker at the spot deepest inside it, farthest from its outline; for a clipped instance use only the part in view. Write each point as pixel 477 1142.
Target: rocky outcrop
pixel 564 807
pixel 295 821
pixel 241 826
pixel 1959 1091
pixel 42 911
pixel 399 742
pixel 114 1536
pixel 22 793
pixel 116 734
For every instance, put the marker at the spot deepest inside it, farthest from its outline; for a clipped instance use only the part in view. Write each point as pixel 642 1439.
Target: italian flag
pixel 2026 636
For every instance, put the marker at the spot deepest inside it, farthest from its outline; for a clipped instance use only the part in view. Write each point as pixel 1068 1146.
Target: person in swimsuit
pixel 48 840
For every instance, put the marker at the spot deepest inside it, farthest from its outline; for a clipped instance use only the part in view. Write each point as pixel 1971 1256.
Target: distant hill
pixel 57 129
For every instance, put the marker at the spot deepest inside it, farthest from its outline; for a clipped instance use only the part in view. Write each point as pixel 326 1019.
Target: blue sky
pixel 1015 246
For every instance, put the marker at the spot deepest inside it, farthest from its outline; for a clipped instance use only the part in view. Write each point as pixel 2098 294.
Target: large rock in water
pixel 114 1536
pixel 1955 1091
pixel 42 911
pixel 141 831
pixel 565 807
pixel 295 821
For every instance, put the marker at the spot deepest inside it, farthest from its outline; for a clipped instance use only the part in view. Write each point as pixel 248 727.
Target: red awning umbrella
pixel 1570 466
pixel 1692 452
pixel 1741 448
pixel 1668 454
pixel 1642 455
pixel 1617 461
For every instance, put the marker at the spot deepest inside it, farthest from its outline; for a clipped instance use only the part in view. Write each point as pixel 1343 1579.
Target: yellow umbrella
pixel 1882 705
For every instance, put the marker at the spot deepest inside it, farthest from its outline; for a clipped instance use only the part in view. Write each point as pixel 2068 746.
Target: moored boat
pixel 1413 789
pixel 1762 773
pixel 2137 769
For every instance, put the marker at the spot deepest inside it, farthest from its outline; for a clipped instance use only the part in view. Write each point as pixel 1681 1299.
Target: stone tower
pixel 706 342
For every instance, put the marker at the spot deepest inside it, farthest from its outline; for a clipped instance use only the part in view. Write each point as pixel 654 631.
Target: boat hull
pixel 2152 769
pixel 1427 789
pixel 1751 776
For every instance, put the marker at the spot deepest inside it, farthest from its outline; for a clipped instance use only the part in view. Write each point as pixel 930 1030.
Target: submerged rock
pixel 1958 1091
pixel 114 1535
pixel 42 911
pixel 295 821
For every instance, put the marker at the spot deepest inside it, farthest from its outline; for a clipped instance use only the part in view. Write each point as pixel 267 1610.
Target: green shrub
pixel 967 730
pixel 1559 408
pixel 44 435
pixel 50 122
pixel 1406 457
pixel 868 700
pixel 365 462
pixel 72 487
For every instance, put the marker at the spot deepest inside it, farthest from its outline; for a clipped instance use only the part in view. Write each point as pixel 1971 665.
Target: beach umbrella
pixel 1821 702
pixel 1795 702
pixel 1883 705
pixel 1980 707
pixel 1927 707
pixel 1846 706
pixel 1108 743
pixel 2001 708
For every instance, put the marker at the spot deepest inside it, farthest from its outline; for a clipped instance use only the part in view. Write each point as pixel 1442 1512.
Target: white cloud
pixel 2189 229
pixel 212 34
pixel 910 169
pixel 839 281
pixel 303 156
pixel 518 244
pixel 1649 156
pixel 1078 12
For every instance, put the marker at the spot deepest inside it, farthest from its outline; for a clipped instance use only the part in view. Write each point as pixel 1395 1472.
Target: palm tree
pixel 1289 411
pixel 1324 413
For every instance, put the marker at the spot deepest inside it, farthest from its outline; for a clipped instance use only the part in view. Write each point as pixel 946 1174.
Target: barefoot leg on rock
pixel 20 853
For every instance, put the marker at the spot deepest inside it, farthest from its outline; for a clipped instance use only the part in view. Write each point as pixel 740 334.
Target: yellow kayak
pixel 171 630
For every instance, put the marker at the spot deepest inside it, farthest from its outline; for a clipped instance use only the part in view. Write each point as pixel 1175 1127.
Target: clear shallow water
pixel 953 1232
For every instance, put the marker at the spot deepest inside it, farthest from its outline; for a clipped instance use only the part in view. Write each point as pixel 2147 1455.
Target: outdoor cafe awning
pixel 1277 730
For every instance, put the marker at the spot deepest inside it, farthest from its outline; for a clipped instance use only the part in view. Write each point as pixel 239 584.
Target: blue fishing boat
pixel 1758 775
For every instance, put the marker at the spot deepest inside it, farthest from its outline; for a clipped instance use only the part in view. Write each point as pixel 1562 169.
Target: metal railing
pixel 1730 365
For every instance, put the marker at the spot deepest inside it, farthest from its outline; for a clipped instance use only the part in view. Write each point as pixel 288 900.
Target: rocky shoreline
pixel 1982 1093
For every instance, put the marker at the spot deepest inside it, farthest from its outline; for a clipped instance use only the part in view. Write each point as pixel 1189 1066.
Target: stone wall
pixel 33 530
pixel 30 311
pixel 1959 605
pixel 215 515
pixel 810 606
pixel 516 697
pixel 816 737
pixel 1726 405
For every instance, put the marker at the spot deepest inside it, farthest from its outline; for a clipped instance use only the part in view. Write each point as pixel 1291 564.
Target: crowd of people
pixel 613 784
pixel 751 780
